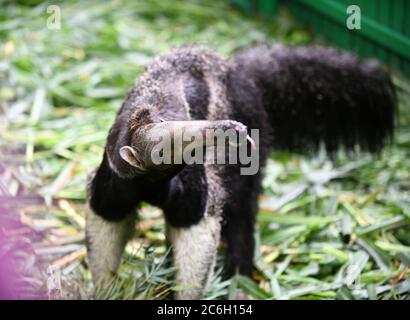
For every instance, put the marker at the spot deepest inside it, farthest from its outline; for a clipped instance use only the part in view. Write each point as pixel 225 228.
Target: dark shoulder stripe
pixel 197 95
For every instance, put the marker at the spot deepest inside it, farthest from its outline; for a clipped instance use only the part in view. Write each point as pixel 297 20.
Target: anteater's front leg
pixel 193 230
pixel 109 220
pixel 194 252
pixel 105 245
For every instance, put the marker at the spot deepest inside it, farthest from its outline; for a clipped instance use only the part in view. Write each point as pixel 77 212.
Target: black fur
pixel 297 97
pixel 187 197
pixel 197 95
pixel 315 94
pixel 111 196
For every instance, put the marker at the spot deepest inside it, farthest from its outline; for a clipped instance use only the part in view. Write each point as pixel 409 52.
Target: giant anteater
pixel 299 98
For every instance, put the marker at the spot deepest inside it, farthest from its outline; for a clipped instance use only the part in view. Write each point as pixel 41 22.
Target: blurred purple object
pixel 20 276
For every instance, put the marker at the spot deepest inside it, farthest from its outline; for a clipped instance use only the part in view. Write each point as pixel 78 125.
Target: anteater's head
pixel 157 145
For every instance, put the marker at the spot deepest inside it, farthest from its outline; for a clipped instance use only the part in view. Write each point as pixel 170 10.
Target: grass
pixel 326 230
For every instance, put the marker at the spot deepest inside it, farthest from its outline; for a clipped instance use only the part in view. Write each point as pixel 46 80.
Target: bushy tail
pixel 316 94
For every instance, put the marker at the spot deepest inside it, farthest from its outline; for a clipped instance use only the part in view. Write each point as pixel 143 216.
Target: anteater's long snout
pixel 159 146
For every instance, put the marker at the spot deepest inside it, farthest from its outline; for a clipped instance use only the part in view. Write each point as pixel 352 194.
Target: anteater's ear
pixel 130 155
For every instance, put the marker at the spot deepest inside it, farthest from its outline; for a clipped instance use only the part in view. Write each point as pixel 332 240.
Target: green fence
pixel 384 32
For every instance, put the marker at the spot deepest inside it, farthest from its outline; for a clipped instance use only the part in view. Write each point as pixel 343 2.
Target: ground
pixel 326 229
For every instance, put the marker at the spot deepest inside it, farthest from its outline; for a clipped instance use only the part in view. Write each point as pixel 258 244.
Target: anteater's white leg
pixel 194 252
pixel 105 244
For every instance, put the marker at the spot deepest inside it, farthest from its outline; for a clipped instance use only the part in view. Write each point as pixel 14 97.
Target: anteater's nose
pixel 231 124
